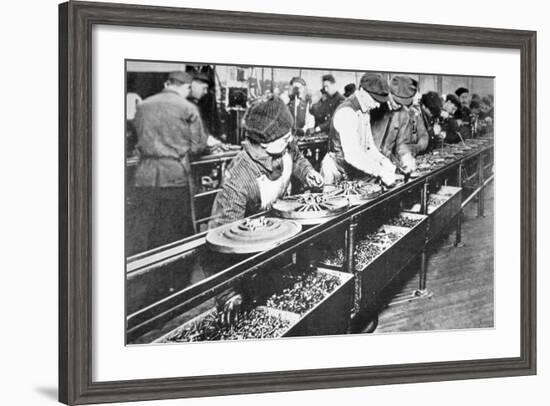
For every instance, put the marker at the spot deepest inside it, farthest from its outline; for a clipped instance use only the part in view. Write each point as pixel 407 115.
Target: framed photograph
pixel 259 202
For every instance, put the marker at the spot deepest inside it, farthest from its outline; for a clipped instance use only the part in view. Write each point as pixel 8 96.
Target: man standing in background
pixel 170 134
pixel 199 87
pixel 299 106
pixel 463 113
pixel 464 98
pixel 332 101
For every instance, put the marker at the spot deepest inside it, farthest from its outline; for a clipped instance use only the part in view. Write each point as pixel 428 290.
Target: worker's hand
pixel 388 178
pixel 231 309
pixel 314 180
pixel 444 114
pixel 393 104
pixel 408 163
pixel 437 129
pixel 387 172
pixel 211 141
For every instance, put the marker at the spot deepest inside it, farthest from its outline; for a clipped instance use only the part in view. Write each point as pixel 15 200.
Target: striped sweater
pixel 254 180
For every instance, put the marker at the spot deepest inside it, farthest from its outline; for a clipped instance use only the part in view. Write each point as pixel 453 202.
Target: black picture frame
pixel 76 20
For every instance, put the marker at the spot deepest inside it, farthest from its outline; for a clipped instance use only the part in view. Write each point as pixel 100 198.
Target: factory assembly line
pixel 317 263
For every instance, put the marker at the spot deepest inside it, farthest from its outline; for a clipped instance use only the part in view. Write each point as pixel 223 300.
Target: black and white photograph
pixel 267 202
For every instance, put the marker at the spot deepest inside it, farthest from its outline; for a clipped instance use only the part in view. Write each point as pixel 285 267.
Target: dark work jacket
pixel 463 113
pixel 319 112
pixel 329 107
pixel 452 130
pixel 391 133
pixel 169 133
pixel 299 112
pixel 419 136
pixel 424 131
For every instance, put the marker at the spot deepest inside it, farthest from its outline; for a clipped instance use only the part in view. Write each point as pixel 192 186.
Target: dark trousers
pixel 157 216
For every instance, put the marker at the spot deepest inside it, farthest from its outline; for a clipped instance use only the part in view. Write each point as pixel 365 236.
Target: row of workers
pixel 377 131
pixel 370 133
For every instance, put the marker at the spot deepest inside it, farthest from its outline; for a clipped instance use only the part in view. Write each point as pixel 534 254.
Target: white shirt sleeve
pixel 370 161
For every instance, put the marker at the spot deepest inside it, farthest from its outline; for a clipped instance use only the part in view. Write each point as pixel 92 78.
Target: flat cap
pixel 328 78
pixel 376 86
pixel 203 77
pixel 461 90
pixel 403 89
pixel 297 79
pixel 180 76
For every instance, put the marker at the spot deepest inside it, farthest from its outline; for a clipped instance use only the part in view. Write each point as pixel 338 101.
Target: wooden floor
pixel 460 278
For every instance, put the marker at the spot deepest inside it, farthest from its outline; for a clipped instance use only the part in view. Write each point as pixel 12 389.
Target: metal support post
pixel 481 195
pixel 458 231
pixel 422 291
pixel 349 260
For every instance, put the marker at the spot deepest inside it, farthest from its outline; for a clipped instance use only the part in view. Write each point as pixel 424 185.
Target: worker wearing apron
pixel 259 175
pixel 261 172
pixel 352 151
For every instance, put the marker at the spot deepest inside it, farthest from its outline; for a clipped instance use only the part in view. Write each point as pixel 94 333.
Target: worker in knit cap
pixel 260 174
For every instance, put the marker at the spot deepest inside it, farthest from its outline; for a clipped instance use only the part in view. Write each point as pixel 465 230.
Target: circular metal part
pixel 356 191
pixel 251 235
pixel 465 147
pixel 310 208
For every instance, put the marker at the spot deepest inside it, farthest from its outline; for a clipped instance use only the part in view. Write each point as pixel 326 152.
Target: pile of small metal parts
pixel 365 252
pixel 435 201
pixel 257 323
pixel 252 224
pixel 403 221
pixel 373 245
pixel 383 238
pixel 368 248
pixel 308 289
pixel 335 258
pixel 438 158
pixel 310 208
pixel 355 190
pixel 424 164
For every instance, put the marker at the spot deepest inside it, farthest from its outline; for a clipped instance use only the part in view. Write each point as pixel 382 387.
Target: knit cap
pixel 267 120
